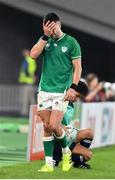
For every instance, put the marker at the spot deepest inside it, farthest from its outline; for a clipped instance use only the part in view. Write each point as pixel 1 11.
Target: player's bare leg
pixel 81 151
pixel 45 117
pixel 56 127
pixel 83 134
pixel 55 122
pixel 48 141
pixel 84 139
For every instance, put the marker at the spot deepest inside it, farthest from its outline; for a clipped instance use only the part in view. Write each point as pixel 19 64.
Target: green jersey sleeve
pixel 75 51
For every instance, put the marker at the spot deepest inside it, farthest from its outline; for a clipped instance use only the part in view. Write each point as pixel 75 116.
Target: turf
pixel 12 148
pixel 14 120
pixel 103 166
pixel 13 145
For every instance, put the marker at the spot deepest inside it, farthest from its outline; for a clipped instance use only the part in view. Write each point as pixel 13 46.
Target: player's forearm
pixel 37 49
pixel 77 75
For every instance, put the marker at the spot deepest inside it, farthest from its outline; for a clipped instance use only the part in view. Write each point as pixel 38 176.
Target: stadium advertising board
pixel 101 118
pixel 35 150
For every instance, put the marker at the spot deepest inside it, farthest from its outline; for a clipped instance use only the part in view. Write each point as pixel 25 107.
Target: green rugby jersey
pixel 57 69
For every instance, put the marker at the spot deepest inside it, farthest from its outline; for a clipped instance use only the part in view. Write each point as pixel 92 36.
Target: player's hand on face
pixel 70 95
pixel 48 28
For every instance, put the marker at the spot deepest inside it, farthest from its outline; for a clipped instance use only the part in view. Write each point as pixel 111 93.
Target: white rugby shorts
pixel 51 101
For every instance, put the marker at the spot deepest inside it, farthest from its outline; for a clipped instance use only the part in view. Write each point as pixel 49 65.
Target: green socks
pixel 64 142
pixel 48 149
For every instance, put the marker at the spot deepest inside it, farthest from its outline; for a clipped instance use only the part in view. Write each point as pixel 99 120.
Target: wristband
pixel 73 86
pixel 45 37
pixel 81 88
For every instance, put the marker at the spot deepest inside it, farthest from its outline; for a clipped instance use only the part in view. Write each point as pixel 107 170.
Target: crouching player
pixel 79 140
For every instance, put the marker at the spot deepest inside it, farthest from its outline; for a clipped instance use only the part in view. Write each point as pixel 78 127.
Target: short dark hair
pixel 51 17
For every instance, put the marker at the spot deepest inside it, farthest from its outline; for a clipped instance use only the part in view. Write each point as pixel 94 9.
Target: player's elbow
pixel 80 70
pixel 33 54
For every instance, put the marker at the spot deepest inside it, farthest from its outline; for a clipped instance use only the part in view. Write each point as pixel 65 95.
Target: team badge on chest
pixel 64 49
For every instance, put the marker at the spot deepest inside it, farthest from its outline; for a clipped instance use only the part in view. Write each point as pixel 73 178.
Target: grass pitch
pixel 13 145
pixel 103 166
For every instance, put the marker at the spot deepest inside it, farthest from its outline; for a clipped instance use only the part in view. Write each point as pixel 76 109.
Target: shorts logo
pixel 40 105
pixel 64 49
pixel 56 103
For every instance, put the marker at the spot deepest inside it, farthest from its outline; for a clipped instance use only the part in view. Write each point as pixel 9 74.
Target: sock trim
pixel 65 150
pixel 87 140
pixel 50 138
pixel 62 136
pixel 81 158
pixel 49 160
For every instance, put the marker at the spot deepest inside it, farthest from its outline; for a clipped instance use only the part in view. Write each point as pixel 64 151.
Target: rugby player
pixel 61 73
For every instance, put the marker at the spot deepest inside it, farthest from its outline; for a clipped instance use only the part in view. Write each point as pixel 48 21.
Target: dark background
pixel 19 30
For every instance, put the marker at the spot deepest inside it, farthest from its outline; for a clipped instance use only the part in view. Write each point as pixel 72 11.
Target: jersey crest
pixel 64 49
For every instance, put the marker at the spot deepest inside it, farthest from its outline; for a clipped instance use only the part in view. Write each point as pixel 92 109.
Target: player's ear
pixel 43 23
pixel 59 23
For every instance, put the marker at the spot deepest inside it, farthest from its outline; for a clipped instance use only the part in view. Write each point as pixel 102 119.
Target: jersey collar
pixel 61 37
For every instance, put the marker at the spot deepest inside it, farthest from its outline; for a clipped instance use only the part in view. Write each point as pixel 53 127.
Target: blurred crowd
pixel 99 91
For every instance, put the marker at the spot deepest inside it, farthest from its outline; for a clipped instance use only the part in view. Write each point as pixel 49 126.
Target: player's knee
pixel 90 133
pixel 53 127
pixel 45 125
pixel 39 114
